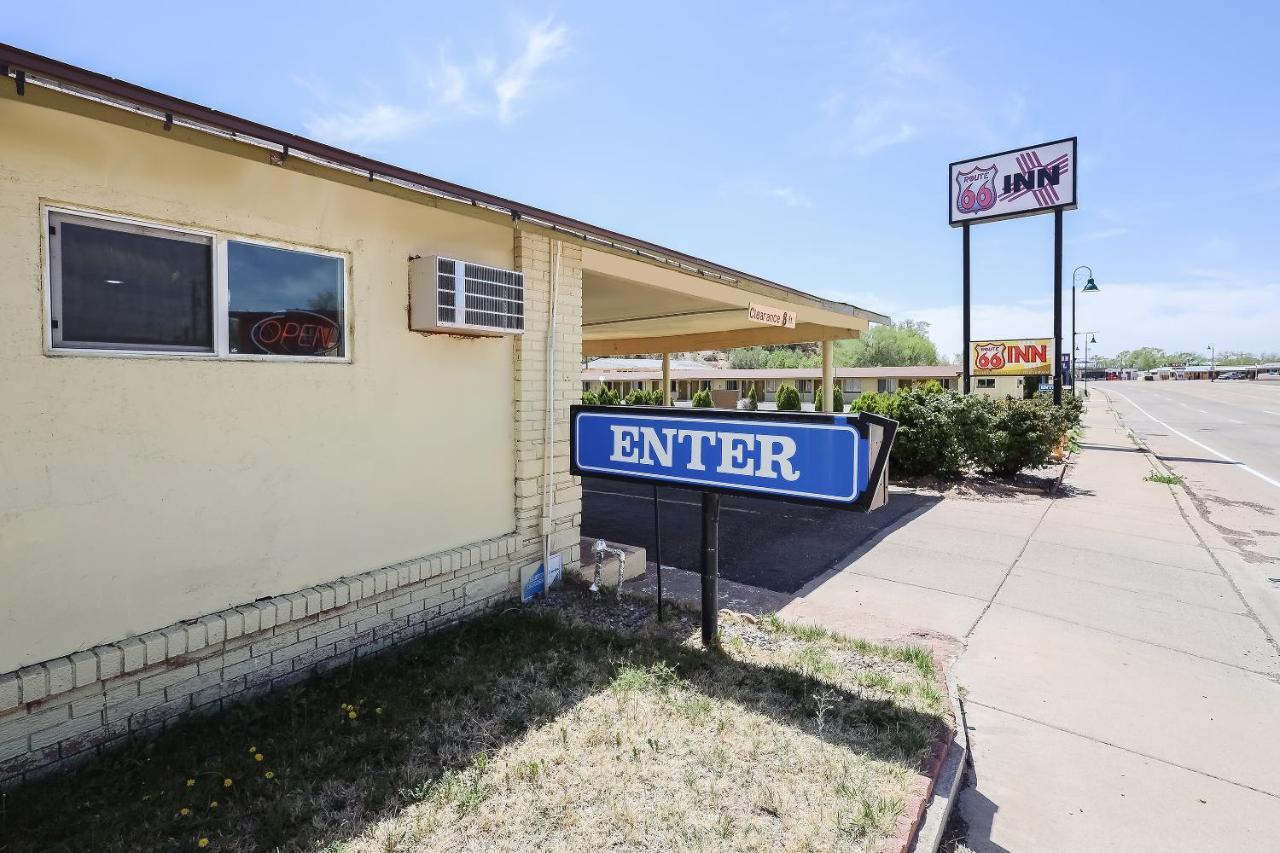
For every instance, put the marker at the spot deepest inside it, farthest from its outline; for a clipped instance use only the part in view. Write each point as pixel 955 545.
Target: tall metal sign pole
pixel 832 460
pixel 1057 306
pixel 968 354
pixel 1007 185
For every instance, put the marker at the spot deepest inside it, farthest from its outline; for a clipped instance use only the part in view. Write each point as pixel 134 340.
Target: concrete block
pixel 252 616
pixel 326 597
pixel 175 642
pixel 61 676
pixel 297 607
pixel 10 691
pixel 84 668
pixel 341 593
pixel 35 683
pixel 215 629
pixel 486 586
pixel 134 654
pixel 312 597
pixel 110 661
pixel 164 679
pixel 232 624
pixel 37 722
pixel 197 636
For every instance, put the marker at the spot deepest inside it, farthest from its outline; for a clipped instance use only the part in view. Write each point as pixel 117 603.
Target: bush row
pixel 945 433
pixel 940 432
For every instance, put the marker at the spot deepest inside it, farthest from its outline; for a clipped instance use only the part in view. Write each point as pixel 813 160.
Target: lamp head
pixel 1093 339
pixel 1090 286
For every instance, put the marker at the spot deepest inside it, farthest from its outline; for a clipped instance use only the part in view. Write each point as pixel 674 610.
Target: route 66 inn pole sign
pixel 1021 182
pixel 1013 183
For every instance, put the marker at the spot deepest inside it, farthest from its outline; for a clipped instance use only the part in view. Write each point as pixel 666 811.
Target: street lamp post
pixel 1213 355
pixel 1090 338
pixel 1089 287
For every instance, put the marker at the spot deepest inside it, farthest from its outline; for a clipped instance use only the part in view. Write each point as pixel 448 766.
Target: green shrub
pixel 754 396
pixel 702 399
pixel 933 386
pixel 655 397
pixel 787 398
pixel 875 403
pixel 589 398
pixel 819 403
pixel 638 397
pixel 606 396
pixel 837 397
pixel 1022 434
pixel 929 440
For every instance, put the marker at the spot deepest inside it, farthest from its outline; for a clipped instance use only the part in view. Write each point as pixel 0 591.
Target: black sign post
pixel 834 460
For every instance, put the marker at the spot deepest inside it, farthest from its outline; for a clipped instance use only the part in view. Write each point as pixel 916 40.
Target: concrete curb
pixel 931 825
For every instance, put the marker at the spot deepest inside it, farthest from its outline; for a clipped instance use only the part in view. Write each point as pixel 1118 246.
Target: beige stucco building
pixel 229 458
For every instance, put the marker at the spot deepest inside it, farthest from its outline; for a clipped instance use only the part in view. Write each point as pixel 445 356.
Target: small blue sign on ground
pixel 827 459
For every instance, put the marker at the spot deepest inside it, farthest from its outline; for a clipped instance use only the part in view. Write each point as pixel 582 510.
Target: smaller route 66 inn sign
pixel 1021 182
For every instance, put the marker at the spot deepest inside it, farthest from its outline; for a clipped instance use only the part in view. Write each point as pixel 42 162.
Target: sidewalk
pixel 1119 694
pixel 1118 691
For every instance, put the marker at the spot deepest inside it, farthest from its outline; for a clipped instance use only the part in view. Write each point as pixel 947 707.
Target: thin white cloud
pixel 452 91
pixel 790 197
pixel 909 88
pixel 543 43
pixel 1172 316
pixel 377 123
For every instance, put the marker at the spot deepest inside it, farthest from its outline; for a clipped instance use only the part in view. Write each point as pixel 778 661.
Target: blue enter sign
pixel 823 459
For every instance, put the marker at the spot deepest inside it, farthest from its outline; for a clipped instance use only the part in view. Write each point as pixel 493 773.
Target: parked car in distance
pixel 1235 374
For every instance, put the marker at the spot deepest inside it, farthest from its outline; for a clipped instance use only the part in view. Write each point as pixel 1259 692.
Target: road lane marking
pixel 1200 444
pixel 1269 412
pixel 1203 411
pixel 1234 421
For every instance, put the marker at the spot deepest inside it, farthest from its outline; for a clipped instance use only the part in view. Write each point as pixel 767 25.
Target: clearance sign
pixel 1025 357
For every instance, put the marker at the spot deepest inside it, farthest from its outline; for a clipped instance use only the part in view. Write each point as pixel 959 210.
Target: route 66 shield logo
pixel 990 357
pixel 976 189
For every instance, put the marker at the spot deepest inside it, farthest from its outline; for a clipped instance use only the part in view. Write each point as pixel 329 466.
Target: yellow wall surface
pixel 136 492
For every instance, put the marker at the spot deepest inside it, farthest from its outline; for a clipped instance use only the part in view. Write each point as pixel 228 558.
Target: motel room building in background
pixel 269 405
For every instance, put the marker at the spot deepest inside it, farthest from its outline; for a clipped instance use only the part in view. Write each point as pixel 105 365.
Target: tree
pixel 904 344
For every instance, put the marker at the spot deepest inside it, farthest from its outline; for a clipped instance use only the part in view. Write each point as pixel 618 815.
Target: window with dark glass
pixel 119 286
pixel 284 302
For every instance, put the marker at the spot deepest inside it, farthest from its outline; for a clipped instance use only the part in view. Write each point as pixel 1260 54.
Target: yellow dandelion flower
pixel 269 775
pixel 226 783
pixel 184 811
pixel 191 783
pixel 258 757
pixel 351 715
pixel 202 843
pixel 253 749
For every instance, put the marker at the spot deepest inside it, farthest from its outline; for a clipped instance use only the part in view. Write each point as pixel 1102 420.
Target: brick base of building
pixel 60 713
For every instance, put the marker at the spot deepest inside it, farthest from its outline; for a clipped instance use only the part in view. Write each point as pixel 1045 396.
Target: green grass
pixel 529 730
pixel 1166 479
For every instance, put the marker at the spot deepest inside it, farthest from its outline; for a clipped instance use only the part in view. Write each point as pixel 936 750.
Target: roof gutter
pixel 22 65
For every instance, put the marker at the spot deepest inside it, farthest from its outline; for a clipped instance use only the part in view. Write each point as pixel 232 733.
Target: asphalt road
pixel 1223 439
pixel 764 543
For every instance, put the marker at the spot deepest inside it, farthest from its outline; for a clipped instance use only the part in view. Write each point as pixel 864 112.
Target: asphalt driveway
pixel 778 546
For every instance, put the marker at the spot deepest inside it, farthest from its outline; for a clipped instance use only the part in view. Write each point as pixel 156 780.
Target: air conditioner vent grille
pixel 458 297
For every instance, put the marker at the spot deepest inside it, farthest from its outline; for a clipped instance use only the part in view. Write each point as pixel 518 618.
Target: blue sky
pixel 807 143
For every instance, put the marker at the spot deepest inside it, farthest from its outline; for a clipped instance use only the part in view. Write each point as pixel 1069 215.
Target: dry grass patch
pixel 576 725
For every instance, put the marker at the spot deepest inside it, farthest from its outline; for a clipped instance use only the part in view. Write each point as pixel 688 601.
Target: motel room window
pixel 119 286
pixel 142 288
pixel 284 301
pixel 990 382
pixel 882 386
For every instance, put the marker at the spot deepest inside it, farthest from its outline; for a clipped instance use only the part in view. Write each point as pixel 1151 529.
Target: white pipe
pixel 548 427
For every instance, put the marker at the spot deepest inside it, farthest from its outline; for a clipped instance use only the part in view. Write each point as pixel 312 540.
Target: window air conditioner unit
pixel 461 298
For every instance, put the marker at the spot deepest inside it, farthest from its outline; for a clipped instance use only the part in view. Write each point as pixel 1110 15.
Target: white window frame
pixel 221 301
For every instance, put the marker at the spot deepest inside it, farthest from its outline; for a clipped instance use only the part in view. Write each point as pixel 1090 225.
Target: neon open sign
pixel 296 333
